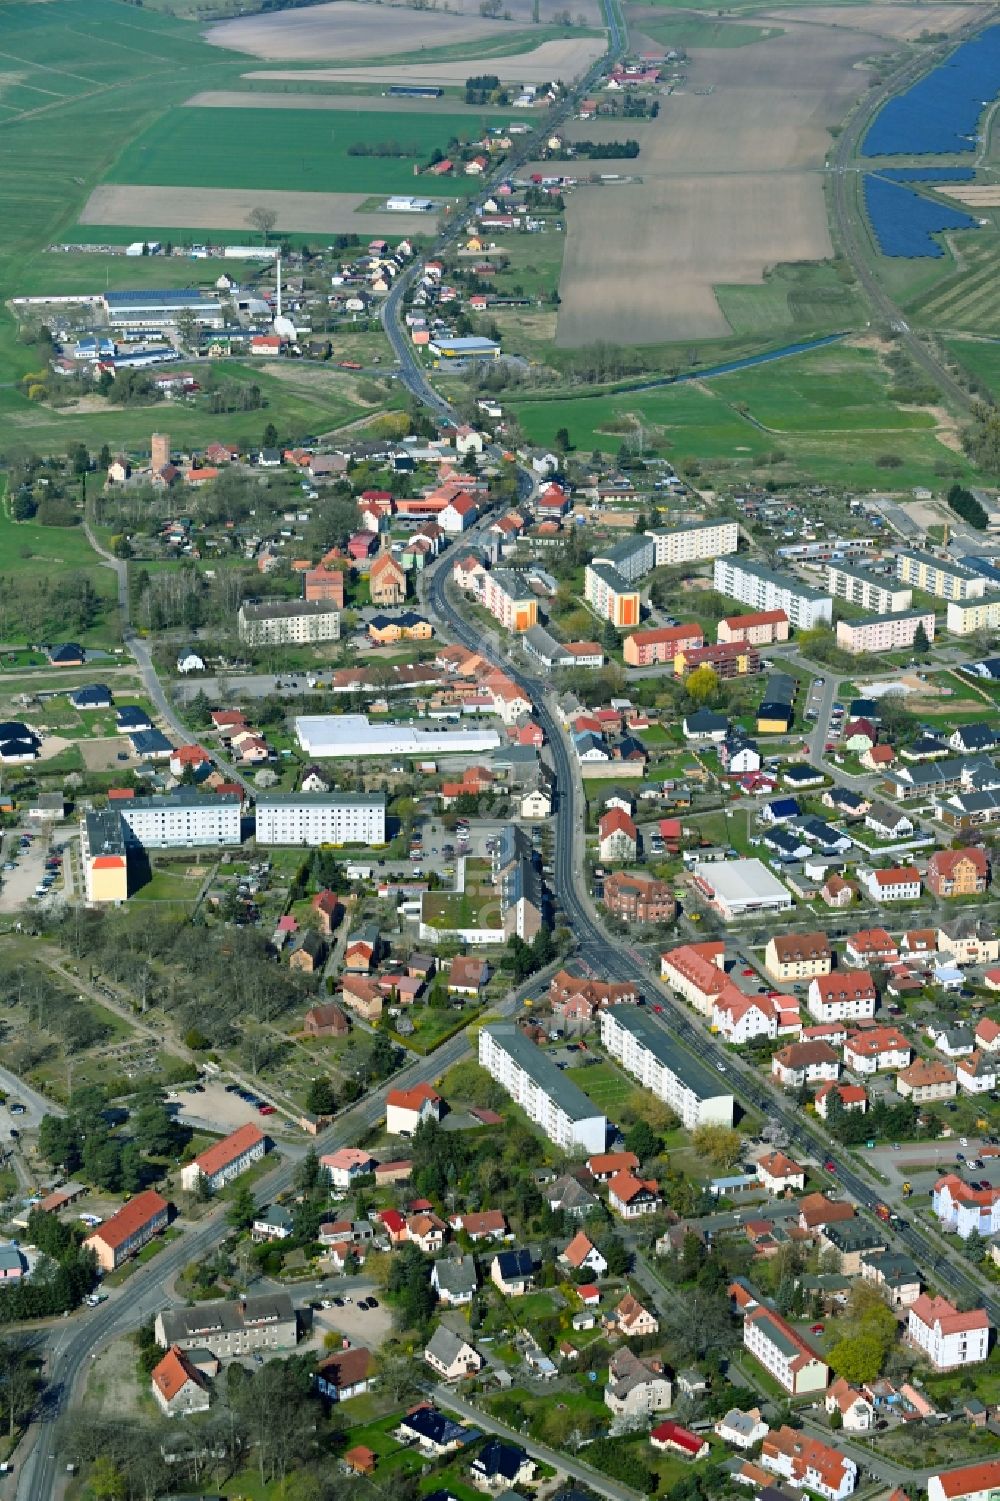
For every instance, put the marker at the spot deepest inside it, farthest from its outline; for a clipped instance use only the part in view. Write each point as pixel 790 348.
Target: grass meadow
pixel 981 357
pixel 824 416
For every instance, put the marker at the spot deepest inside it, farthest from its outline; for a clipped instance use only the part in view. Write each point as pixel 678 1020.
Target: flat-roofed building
pixel 633 557
pixel 882 633
pixel 510 600
pixel 737 887
pixel 940 576
pixel 763 589
pixel 104 856
pixel 315 818
pixel 696 1094
pixel 610 596
pixel 694 542
pixel 966 616
pixel 287 622
pixel 184 818
pixel 548 1098
pixel 879 593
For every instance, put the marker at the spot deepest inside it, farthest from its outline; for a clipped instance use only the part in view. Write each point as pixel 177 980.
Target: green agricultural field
pixel 803 298
pixel 823 416
pixel 981 357
pixel 297 150
pixel 694 32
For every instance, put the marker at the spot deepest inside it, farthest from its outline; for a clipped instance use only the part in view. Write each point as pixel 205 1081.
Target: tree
pixel 241 1208
pixel 721 1145
pixel 921 644
pixel 975 1246
pixel 269 437
pixel 642 1140
pixel 858 1357
pixel 702 685
pixel 563 442
pixel 262 219
pixel 320 1097
pixel 617 1255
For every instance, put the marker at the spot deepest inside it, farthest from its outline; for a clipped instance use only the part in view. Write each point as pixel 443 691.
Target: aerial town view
pixel 499 750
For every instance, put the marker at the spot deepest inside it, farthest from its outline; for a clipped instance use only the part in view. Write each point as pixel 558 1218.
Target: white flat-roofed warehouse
pixel 648 1052
pixel 158 307
pixel 328 735
pixel 314 818
pixel 735 887
pixel 185 817
pixel 552 1101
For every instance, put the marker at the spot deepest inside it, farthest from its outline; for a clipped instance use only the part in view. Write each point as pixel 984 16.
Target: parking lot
pixel 362 1326
pixel 215 1108
pixel 25 851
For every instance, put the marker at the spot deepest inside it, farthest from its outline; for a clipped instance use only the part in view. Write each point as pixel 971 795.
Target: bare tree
pixel 263 220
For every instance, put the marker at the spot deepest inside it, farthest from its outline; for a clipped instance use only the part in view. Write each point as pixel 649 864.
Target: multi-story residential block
pixel 763 589
pixel 633 557
pixel 760 628
pixel 798 956
pixel 551 1100
pixel 225 1160
pixel 645 1050
pixel 242 1327
pixel 124 1234
pixel 638 899
pixel 661 644
pixel 732 659
pixel 695 542
pixel 104 857
pixel 510 600
pixel 793 1363
pixel 948 1338
pixel 966 616
pixel 182 818
pixel 610 596
pixel 939 576
pixel 882 594
pixel 958 872
pixel 287 622
pixel 848 995
pixel 809 1464
pixel 881 633
pixel 315 818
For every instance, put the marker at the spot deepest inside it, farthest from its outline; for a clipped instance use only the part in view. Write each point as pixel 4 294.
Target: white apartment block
pixel 292 622
pixel 872 591
pixel 939 576
pixel 881 633
pixel 794 1365
pixel 546 1096
pixel 948 1338
pixel 695 542
pixel 632 557
pixel 314 818
pixel 966 616
pixel 182 819
pixel 645 1050
pixel 762 589
pixel 509 599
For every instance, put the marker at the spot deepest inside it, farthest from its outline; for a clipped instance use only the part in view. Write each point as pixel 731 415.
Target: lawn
pixel 981 357
pixel 168 886
pixel 603 1084
pixel 291 149
pixel 823 416
pixel 698 32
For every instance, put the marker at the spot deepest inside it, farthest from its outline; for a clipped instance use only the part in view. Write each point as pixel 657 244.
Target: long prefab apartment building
pixel 291 622
pixel 650 1055
pixel 314 818
pixel 763 589
pixel 532 1080
pixel 181 819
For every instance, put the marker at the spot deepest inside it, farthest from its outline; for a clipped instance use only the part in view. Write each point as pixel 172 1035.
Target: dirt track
pixel 227 208
pixel 351 29
pixel 558 59
pixel 732 182
pixel 895 21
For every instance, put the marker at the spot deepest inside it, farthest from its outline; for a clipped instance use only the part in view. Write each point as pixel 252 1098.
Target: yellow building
pixel 104 857
pixel 969 615
pixel 798 956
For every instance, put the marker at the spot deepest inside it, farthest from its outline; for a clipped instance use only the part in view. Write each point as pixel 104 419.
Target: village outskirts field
pixel 163 122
